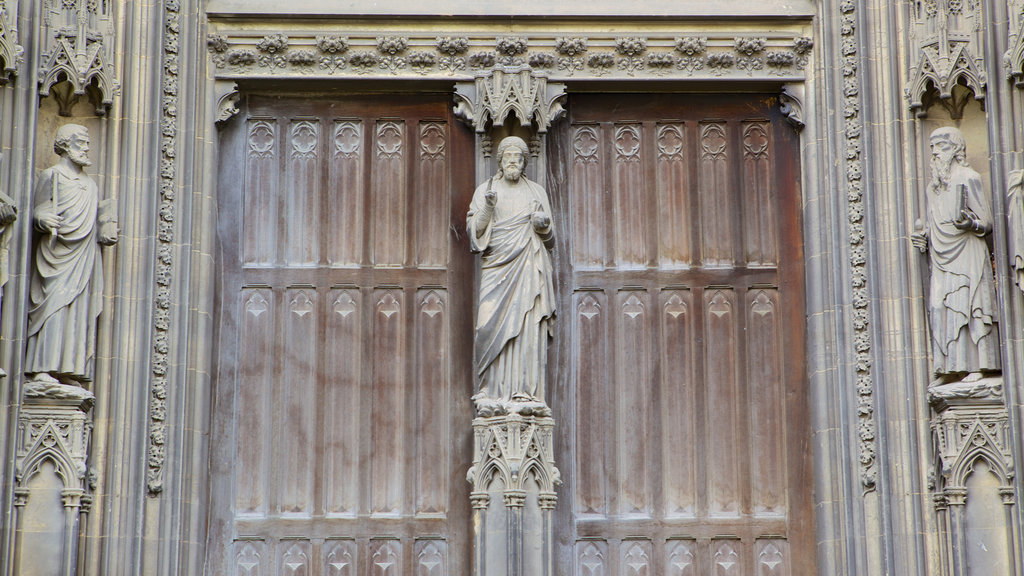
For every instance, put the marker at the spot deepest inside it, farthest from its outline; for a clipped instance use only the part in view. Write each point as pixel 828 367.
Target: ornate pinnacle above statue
pixel 67 276
pixel 961 298
pixel 509 223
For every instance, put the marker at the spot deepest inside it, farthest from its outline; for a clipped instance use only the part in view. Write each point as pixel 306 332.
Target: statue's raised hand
pixel 541 219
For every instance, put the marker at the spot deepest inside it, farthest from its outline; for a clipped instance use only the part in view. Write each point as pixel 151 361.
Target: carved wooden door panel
pixel 687 448
pixel 342 393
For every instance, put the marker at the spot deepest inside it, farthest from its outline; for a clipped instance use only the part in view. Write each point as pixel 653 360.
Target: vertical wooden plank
pixel 673 197
pixel 772 557
pixel 259 206
pixel 432 196
pixel 343 373
pixel 253 391
pixel 297 391
pixel 345 187
pixel 633 380
pixel 759 221
pixel 766 401
pixel 388 198
pixel 432 402
pixel 716 204
pixel 340 558
pixel 301 221
pixel 592 400
pixel 387 415
pixel 679 437
pixel 629 197
pixel 722 402
pixel 682 559
pixel 587 204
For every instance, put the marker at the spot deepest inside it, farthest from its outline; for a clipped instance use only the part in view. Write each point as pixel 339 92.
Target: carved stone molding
pixel 1015 55
pixel 791 102
pixel 947 36
pixel 54 431
pixel 516 90
pixel 513 476
pixel 686 52
pixel 227 102
pixel 11 54
pixel 166 241
pixel 77 46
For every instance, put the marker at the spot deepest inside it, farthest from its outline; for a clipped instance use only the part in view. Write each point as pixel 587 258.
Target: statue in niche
pixel 67 278
pixel 1015 224
pixel 8 214
pixel 509 223
pixel 961 299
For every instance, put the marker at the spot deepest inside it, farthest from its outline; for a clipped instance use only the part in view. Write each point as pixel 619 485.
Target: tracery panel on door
pixel 343 376
pixel 689 429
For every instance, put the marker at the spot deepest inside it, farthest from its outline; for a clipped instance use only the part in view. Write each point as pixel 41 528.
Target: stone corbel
pixel 505 90
pixel 78 55
pixel 227 102
pixel 791 103
pixel 11 54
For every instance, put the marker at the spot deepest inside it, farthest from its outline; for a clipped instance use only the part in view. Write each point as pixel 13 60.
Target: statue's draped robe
pixel 516 300
pixel 67 280
pixel 962 298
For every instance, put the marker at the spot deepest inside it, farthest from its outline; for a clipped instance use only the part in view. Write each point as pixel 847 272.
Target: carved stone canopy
pixel 78 54
pixel 947 38
pixel 505 90
pixel 10 52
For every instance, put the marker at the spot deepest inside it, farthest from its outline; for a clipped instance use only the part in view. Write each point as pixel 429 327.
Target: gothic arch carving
pixel 947 37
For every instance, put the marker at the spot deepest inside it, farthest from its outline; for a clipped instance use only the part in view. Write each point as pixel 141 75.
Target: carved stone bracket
pixel 506 90
pixel 11 54
pixel 56 431
pixel 227 102
pixel 514 479
pixel 791 102
pixel 1015 55
pixel 78 48
pixel 947 35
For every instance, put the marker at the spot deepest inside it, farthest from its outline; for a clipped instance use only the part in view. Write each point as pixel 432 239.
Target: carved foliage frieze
pixel 947 37
pixel 11 54
pixel 78 47
pixel 403 53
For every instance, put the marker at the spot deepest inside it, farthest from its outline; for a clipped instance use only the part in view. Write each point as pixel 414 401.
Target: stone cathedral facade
pixel 774 308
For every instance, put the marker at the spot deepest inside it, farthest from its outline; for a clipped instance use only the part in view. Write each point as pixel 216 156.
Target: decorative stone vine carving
pixel 406 53
pixel 11 54
pixel 854 170
pixel 791 103
pixel 1015 54
pixel 77 39
pixel 166 241
pixel 948 40
pixel 509 90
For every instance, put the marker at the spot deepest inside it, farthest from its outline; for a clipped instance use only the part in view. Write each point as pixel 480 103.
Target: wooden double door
pixel 344 339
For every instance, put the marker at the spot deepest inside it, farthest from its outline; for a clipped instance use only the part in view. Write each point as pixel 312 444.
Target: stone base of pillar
pixel 514 478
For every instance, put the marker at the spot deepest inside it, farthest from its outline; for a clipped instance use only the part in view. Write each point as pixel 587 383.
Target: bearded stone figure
pixel 67 279
pixel 961 299
pixel 509 223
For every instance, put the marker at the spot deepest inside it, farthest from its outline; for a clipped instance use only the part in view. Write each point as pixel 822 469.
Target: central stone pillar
pixel 509 223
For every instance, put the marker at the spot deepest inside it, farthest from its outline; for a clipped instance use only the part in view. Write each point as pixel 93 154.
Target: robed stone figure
pixel 509 223
pixel 67 276
pixel 961 298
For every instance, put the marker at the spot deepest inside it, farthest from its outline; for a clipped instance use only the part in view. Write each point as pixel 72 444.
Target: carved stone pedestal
pixel 974 495
pixel 514 479
pixel 51 492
